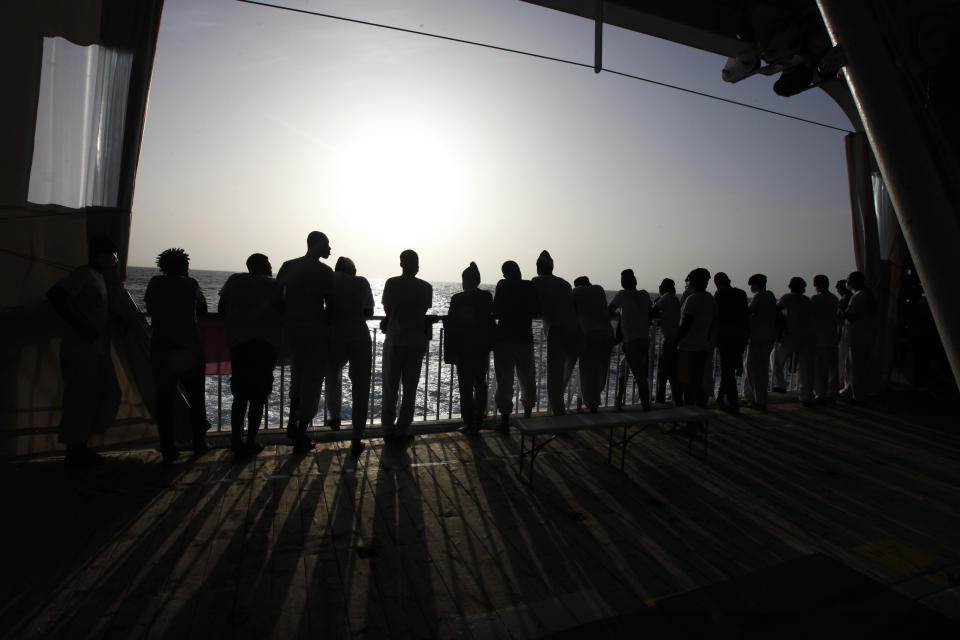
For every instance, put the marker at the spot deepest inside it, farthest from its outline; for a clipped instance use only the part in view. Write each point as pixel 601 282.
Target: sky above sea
pixel 264 125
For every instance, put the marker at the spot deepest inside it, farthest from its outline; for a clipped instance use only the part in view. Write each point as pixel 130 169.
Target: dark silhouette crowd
pixel 316 318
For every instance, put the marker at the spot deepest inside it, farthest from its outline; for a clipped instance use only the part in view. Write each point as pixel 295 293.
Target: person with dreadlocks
pixel 174 300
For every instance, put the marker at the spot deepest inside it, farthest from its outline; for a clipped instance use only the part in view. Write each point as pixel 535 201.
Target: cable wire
pixel 541 56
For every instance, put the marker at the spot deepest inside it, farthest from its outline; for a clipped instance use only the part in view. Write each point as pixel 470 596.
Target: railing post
pixel 439 371
pixel 373 369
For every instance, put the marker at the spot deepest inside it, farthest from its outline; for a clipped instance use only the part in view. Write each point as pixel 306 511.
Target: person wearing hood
pixel 514 307
pixel 555 298
pixel 406 300
pixel 469 339
pixel 796 339
pixel 634 308
pixel 91 394
pixel 590 304
pixel 350 305
pixel 666 310
pixel 763 333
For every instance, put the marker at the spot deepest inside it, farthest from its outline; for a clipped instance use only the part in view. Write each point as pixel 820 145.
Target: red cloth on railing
pixel 213 336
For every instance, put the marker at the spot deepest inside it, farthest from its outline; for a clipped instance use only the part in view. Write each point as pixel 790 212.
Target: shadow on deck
pixel 833 522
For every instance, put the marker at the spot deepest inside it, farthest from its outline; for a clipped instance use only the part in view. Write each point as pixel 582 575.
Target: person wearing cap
pixel 406 299
pixel 515 305
pixel 694 338
pixel 555 298
pixel 349 306
pixel 596 339
pixel 763 334
pixel 634 308
pixel 823 309
pixel 796 339
pixel 666 311
pixel 469 339
pixel 733 331
pixel 307 283
pixel 860 326
pixel 252 306
pixel 91 394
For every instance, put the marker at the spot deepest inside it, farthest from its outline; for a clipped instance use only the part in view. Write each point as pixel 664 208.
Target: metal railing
pixel 437 393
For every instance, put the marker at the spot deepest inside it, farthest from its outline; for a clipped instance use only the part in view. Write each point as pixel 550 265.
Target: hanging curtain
pixel 887 225
pixel 81 113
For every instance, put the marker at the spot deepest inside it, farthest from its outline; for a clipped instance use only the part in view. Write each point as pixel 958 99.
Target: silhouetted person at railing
pixel 843 347
pixel 763 334
pixel 860 331
pixel 666 309
pixel 252 306
pixel 515 305
pixel 824 307
pixel 174 300
pixel 406 300
pixel 91 394
pixel 555 298
pixel 694 338
pixel 469 338
pixel 307 283
pixel 350 306
pixel 733 331
pixel 596 335
pixel 796 339
pixel 634 308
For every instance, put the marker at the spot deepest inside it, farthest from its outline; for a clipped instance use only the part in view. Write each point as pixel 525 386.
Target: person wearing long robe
pixel 91 394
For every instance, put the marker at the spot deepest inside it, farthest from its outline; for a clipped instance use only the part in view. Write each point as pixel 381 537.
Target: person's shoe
pixel 334 424
pixel 470 429
pixel 201 448
pixel 779 389
pixel 356 448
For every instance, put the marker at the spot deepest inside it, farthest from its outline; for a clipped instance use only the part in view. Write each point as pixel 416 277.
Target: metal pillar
pixel 908 160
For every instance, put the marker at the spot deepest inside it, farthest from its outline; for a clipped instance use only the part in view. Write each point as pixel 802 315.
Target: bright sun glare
pixel 402 182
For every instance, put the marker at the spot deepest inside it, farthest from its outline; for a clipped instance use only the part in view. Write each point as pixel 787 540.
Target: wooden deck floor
pixel 440 539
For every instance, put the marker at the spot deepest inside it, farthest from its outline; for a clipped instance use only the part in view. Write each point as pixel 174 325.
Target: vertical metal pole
pixel 373 369
pixel 439 371
pixel 598 38
pixel 426 380
pixel 219 399
pixel 540 366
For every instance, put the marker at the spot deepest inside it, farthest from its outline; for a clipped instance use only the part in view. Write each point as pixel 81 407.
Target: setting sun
pixel 402 181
